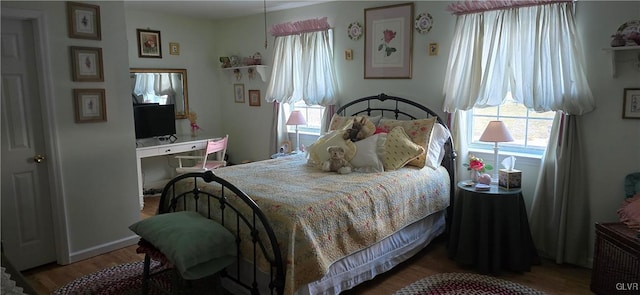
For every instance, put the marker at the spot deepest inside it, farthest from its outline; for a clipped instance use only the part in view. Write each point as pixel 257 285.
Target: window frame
pixel 304 108
pixel 506 148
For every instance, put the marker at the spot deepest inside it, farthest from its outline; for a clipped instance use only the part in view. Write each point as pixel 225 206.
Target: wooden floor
pixel 548 277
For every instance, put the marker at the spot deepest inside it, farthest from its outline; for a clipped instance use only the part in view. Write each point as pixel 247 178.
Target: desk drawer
pixel 181 148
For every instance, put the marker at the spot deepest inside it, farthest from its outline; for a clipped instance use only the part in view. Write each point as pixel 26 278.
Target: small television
pixel 154 120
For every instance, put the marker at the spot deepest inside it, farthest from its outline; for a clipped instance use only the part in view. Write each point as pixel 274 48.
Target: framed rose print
pixel 149 43
pixel 254 98
pixel 90 105
pixel 86 64
pixel 83 21
pixel 631 104
pixel 388 42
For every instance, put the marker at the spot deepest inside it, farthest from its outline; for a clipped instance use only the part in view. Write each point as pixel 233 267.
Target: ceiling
pixel 215 9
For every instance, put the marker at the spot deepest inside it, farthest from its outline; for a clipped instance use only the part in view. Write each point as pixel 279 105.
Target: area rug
pixel 120 279
pixel 464 283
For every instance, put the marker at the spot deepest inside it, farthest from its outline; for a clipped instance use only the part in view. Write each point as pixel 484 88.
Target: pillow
pixel 317 151
pixel 197 246
pixel 629 212
pixel 418 130
pixel 399 149
pixel 340 122
pixel 436 151
pixel 369 151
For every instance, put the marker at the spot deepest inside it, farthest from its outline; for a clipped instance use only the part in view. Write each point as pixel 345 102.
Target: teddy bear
pixel 359 130
pixel 336 162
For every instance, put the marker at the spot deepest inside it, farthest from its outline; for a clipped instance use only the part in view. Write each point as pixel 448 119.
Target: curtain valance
pixel 299 27
pixel 465 7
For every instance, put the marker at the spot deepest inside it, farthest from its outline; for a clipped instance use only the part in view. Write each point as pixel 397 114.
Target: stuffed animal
pixel 359 130
pixel 336 162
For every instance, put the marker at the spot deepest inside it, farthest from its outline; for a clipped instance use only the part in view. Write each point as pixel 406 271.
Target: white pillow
pixel 368 154
pixel 435 154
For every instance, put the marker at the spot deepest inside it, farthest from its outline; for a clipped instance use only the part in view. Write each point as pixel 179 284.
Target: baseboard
pixel 104 248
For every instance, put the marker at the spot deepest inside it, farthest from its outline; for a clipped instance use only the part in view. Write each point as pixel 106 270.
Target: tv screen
pixel 153 120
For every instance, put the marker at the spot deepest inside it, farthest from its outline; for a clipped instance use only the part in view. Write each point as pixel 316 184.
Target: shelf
pixel 613 55
pixel 261 69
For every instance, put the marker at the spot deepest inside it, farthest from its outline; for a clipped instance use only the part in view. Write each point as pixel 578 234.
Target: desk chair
pixel 204 163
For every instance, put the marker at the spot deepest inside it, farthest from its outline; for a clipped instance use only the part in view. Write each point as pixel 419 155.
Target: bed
pixel 332 231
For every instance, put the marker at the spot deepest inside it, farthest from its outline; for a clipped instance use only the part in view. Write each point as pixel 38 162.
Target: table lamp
pixel 296 118
pixel 495 132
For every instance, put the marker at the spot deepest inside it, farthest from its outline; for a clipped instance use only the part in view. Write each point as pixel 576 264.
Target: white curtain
pixel 303 69
pixel 534 53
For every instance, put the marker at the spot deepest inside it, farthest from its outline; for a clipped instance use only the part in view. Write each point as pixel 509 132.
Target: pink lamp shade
pixel 496 131
pixel 296 118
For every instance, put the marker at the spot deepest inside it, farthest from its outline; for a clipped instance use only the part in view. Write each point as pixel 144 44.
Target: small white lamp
pixel 496 132
pixel 296 118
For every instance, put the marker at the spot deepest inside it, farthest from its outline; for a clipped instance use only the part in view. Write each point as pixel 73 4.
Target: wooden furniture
pixel 490 230
pixel 215 147
pixel 616 261
pixel 154 148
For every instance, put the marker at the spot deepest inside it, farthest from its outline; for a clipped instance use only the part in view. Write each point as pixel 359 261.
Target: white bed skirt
pixel 364 265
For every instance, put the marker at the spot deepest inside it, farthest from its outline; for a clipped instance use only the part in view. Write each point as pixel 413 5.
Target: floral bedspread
pixel 321 217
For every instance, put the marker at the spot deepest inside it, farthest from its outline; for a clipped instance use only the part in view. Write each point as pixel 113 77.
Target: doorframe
pixel 50 129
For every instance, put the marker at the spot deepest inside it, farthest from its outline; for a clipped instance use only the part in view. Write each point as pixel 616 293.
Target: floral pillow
pixel 317 152
pixel 418 130
pixel 399 149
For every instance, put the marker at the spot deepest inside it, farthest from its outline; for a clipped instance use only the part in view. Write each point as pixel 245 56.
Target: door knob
pixel 38 158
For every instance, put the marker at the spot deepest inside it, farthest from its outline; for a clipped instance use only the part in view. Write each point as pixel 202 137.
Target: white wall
pixel 97 160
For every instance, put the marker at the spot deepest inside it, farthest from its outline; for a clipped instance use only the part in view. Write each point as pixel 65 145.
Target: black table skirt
pixel 491 233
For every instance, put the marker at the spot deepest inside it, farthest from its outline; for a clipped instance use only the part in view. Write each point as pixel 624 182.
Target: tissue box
pixel 510 179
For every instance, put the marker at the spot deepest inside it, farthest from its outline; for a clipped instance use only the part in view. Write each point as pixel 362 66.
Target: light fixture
pixel 496 132
pixel 296 118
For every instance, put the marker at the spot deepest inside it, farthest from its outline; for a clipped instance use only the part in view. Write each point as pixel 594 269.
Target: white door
pixel 27 224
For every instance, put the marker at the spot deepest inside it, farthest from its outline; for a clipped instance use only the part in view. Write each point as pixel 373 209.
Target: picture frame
pixel 83 21
pixel 238 93
pixel 348 54
pixel 90 105
pixel 285 147
pixel 86 64
pixel 254 98
pixel 631 103
pixel 433 49
pixel 149 43
pixel 174 48
pixel 388 42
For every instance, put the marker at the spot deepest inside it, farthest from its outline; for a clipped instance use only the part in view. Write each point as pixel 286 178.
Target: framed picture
pixel 90 105
pixel 285 147
pixel 348 54
pixel 433 48
pixel 86 64
pixel 254 98
pixel 174 48
pixel 388 42
pixel 238 93
pixel 149 43
pixel 631 105
pixel 84 21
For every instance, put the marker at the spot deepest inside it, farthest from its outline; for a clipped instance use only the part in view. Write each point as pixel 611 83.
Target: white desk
pixel 153 147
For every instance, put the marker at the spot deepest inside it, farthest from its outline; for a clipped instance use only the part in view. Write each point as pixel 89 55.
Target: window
pixel 529 129
pixel 313 115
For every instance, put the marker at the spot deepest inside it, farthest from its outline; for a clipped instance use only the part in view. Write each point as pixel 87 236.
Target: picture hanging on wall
pixel 254 98
pixel 238 93
pixel 83 21
pixel 86 64
pixel 388 42
pixel 149 44
pixel 90 105
pixel 631 105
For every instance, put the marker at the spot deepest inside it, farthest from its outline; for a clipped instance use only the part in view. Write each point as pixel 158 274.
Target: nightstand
pixel 490 230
